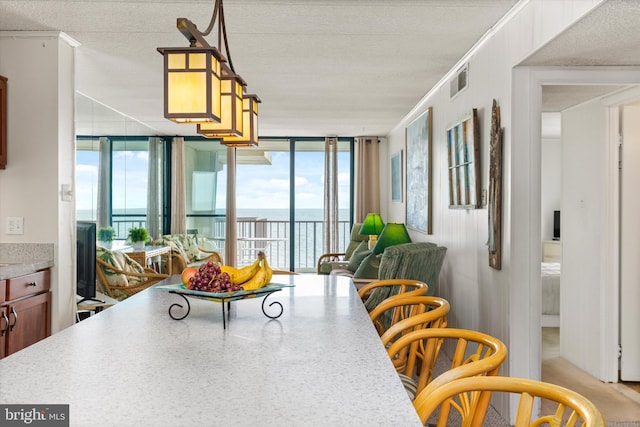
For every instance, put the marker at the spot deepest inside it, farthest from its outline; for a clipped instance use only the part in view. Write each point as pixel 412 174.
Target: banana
pixel 231 271
pixel 266 266
pixel 256 282
pixel 246 273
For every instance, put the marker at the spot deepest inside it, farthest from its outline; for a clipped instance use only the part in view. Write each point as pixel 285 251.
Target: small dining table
pixel 320 363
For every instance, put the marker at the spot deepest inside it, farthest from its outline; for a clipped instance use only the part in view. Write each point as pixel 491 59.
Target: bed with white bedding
pixel 550 293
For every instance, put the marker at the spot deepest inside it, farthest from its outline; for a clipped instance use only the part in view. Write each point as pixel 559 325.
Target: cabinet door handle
pixel 32 284
pixel 6 322
pixel 15 319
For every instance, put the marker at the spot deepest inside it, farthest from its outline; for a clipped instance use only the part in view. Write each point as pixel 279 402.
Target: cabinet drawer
pixel 3 290
pixel 18 287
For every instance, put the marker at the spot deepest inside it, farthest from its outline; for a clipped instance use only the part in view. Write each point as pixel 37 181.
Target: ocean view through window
pixel 265 180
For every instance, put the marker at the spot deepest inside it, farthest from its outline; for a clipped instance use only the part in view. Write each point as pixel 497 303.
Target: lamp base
pixel 373 239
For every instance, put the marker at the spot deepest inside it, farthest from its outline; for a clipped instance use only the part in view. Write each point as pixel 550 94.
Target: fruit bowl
pixel 182 289
pixel 225 297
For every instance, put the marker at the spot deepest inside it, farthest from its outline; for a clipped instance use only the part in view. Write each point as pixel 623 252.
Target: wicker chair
pixel 470 398
pixel 185 251
pixel 120 277
pixel 377 291
pixel 327 262
pixel 408 313
pixel 415 354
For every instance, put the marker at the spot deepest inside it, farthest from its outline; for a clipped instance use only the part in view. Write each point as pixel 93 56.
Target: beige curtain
pixel 103 208
pixel 330 195
pixel 154 188
pixel 367 177
pixel 230 243
pixel 178 196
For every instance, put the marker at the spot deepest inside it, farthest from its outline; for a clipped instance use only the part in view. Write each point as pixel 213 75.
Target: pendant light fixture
pixel 231 119
pixel 202 87
pixel 249 136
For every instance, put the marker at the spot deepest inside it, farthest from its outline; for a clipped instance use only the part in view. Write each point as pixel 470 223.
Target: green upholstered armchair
pixel 329 261
pixel 418 261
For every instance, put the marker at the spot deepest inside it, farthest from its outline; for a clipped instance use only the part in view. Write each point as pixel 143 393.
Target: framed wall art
pixel 463 152
pixel 396 177
pixel 419 172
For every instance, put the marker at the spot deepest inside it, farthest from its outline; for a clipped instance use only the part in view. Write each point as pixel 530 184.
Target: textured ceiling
pixel 608 36
pixel 321 67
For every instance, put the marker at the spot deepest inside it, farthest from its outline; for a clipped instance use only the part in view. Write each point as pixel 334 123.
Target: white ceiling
pixel 321 67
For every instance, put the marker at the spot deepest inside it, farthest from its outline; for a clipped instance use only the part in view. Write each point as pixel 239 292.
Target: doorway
pixel 598 295
pixel 616 118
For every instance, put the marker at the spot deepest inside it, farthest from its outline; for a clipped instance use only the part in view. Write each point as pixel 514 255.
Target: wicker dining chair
pixel 377 291
pixel 470 398
pixel 416 353
pixel 411 312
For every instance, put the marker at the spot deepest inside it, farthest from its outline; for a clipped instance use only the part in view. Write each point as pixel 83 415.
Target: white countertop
pixel 320 364
pixel 18 259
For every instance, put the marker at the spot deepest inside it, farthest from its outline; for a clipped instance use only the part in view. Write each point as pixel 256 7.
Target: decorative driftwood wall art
pixel 495 190
pixel 463 146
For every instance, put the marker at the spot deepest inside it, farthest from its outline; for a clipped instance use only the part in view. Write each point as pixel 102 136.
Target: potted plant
pixel 105 236
pixel 138 236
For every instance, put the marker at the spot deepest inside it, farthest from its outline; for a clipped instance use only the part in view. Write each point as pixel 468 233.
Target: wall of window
pixel 279 187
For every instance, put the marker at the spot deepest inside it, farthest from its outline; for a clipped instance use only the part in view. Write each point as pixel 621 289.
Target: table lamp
pixel 372 226
pixel 392 234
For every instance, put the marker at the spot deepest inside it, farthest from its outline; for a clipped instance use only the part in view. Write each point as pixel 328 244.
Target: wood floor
pixel 617 402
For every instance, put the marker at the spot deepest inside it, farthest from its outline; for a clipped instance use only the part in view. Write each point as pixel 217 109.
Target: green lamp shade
pixel 392 234
pixel 372 225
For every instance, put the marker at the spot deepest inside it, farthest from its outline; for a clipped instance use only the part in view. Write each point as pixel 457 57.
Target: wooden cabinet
pixel 25 313
pixel 3 122
pixel 4 318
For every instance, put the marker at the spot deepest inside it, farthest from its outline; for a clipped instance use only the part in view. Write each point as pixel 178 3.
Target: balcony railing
pixel 255 234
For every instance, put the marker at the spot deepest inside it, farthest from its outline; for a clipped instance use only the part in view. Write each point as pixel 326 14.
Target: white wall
pixel 482 298
pixel 584 200
pixel 41 154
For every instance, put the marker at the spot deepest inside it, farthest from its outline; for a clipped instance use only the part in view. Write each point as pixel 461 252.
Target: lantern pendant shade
pixel 231 119
pixel 250 124
pixel 192 84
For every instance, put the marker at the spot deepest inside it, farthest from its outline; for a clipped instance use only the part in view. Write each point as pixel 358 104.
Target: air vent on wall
pixel 459 81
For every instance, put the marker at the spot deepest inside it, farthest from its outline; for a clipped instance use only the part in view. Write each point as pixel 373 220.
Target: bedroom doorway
pixel 622 106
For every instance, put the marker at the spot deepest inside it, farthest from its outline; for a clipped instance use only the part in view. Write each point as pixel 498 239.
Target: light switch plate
pixel 15 225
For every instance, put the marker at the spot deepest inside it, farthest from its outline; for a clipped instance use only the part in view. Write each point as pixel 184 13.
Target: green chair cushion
pixel 417 261
pixel 325 267
pixel 355 240
pixel 368 268
pixel 409 385
pixel 361 252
